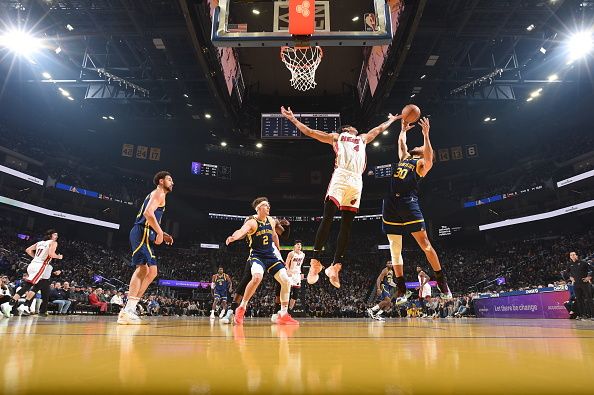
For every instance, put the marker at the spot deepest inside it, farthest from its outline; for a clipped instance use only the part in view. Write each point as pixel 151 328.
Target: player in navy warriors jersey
pixel 401 212
pixel 344 190
pixel 144 235
pixel 261 233
pixel 221 286
pixel 385 288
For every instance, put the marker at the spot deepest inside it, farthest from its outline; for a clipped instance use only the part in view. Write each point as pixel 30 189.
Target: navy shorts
pixel 401 215
pixel 220 294
pixel 387 292
pixel 141 242
pixel 270 263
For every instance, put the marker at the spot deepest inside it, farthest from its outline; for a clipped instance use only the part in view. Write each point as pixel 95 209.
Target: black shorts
pixel 402 215
pixel 245 279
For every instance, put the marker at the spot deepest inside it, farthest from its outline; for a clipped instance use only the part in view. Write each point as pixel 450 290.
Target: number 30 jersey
pixel 405 179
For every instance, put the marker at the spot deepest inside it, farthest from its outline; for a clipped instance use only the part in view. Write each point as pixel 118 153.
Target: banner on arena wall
pixel 128 150
pixel 538 217
pixel 538 305
pixel 184 284
pixel 155 153
pixel 81 191
pixel 209 246
pixel 575 178
pixel 416 284
pixel 21 175
pixel 57 214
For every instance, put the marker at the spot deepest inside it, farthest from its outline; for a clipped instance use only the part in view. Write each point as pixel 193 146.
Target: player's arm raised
pixel 402 147
pixel 426 163
pixel 373 133
pixel 156 200
pixel 328 138
pixel 249 226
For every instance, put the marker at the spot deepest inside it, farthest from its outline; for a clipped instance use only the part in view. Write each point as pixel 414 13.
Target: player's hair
pixel 343 127
pixel 297 242
pixel 258 201
pixel 159 176
pixel 48 234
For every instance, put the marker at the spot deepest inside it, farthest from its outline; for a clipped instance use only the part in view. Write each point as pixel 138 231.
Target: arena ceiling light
pixel 376 144
pixel 70 98
pixel 487 119
pixel 69 27
pixel 553 77
pixel 536 93
pixel 207 116
pixel 46 75
pixel 355 19
pixel 111 117
pixel 20 42
pixel 258 145
pixel 530 27
pixel 223 144
pixel 530 99
pixel 256 12
pixel 580 44
pixel 385 132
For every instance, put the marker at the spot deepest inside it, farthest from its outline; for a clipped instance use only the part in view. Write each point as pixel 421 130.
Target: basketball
pixel 411 113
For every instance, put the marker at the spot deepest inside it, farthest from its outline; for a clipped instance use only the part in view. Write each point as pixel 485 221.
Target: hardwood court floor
pixel 194 356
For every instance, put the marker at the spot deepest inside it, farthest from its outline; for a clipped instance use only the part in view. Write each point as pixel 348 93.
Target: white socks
pixel 375 308
pixel 283 310
pixel 243 304
pixel 131 305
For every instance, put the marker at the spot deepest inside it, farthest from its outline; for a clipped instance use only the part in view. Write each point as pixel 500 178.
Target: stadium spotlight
pixel 46 75
pixel 65 92
pixel 207 116
pixel 376 143
pixel 104 117
pixel 385 132
pixel 553 77
pixel 70 98
pixel 224 144
pixel 580 44
pixel 111 117
pixel 258 145
pixel 487 119
pixel 20 42
pixel 536 93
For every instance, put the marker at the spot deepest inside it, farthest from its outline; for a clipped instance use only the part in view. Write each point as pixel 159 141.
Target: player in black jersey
pixel 401 212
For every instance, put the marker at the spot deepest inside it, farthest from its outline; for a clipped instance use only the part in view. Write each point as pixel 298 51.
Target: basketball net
pixel 302 62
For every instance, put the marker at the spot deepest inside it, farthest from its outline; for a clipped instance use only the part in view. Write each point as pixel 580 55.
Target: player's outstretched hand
pixel 393 118
pixel 284 222
pixel 229 240
pixel 287 113
pixel 159 238
pixel 425 125
pixel 405 127
pixel 167 239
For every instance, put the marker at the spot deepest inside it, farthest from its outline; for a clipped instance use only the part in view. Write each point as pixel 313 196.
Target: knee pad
pixel 257 269
pixel 395 242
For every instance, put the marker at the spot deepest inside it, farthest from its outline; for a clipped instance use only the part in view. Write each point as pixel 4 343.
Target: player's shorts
pixel 387 292
pixel 220 294
pixel 402 215
pixel 425 291
pixel 270 263
pixel 345 189
pixel 38 270
pixel 141 242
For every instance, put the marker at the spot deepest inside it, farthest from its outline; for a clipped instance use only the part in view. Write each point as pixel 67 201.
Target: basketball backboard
pixel 238 23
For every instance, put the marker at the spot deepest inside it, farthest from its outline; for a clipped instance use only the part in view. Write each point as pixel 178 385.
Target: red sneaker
pixel 315 267
pixel 286 320
pixel 239 313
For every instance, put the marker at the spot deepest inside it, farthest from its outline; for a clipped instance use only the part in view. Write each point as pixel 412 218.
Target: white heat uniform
pixel 40 265
pixel 426 290
pixel 346 184
pixel 295 272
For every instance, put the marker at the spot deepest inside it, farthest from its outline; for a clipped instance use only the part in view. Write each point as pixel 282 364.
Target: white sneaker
pixel 223 313
pixel 274 318
pixel 6 309
pixel 371 314
pixel 212 315
pixel 228 318
pixel 379 317
pixel 23 310
pixel 128 318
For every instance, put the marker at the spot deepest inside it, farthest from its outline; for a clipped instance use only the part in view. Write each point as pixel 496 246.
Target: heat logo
pixel 303 8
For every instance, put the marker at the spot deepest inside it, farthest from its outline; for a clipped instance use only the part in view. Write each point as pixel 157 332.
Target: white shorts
pixel 425 291
pixel 345 189
pixel 37 271
pixel 295 279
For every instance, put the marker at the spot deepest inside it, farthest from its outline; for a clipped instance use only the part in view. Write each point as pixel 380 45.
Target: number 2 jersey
pixel 260 242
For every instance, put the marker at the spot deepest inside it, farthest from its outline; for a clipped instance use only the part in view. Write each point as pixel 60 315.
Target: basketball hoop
pixel 302 62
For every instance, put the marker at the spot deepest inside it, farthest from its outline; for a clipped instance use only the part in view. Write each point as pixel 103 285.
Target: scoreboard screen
pixel 383 171
pixel 208 170
pixel 276 126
